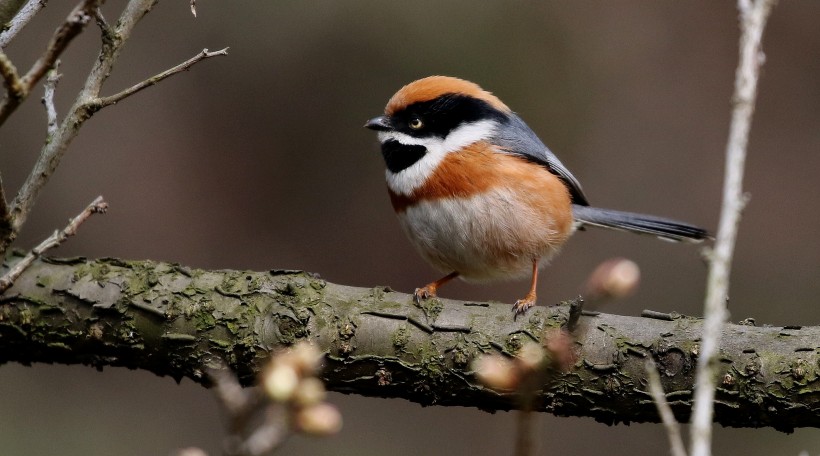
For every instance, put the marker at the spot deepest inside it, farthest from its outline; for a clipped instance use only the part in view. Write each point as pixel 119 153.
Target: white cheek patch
pixel 409 179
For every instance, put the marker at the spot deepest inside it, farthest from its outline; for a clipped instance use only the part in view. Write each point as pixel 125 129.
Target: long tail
pixel 663 228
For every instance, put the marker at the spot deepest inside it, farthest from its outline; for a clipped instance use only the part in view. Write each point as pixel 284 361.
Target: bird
pixel 479 195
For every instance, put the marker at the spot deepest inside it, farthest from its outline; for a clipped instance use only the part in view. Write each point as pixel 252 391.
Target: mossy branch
pixel 177 321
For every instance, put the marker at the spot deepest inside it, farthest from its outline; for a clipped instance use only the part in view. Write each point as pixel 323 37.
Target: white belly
pixel 489 236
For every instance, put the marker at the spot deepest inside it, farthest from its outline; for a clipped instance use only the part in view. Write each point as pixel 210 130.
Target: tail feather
pixel 639 223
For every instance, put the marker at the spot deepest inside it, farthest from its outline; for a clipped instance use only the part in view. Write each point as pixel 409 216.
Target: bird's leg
pixel 429 290
pixel 520 307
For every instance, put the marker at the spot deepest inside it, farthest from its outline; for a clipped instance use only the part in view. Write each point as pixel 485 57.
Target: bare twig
pixel 667 417
pixel 48 99
pixel 753 16
pixel 193 7
pixel 523 433
pixel 88 101
pixel 98 206
pixel 184 66
pixel 65 33
pixel 12 80
pixel 102 24
pixel 80 111
pixel 20 20
pixel 4 208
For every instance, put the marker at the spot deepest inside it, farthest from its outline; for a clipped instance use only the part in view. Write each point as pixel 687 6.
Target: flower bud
pixel 530 356
pixel 560 344
pixel 280 381
pixel 191 451
pixel 615 278
pixel 319 419
pixel 303 357
pixel 496 372
pixel 310 391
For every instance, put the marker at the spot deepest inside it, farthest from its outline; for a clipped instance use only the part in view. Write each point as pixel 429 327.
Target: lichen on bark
pixel 178 321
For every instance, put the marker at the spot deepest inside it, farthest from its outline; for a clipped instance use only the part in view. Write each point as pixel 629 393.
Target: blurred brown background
pixel 258 160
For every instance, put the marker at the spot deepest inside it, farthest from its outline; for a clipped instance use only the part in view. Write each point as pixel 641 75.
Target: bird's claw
pixel 424 293
pixel 522 305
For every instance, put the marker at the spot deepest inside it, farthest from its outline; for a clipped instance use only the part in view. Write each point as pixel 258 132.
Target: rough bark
pixel 177 321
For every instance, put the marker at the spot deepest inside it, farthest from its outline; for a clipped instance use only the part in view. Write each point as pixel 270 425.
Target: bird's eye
pixel 415 123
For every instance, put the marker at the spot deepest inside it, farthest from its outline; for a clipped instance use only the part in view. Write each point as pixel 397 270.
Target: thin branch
pixel 753 15
pixel 98 206
pixel 80 111
pixel 65 33
pixel 14 84
pixel 523 433
pixel 5 216
pixel 193 7
pixel 20 20
pixel 107 33
pixel 664 411
pixel 48 99
pixel 184 66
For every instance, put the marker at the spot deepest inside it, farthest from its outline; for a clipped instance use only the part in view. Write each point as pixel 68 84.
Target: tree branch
pixel 86 104
pixel 664 411
pixel 753 15
pixel 172 320
pixel 184 66
pixel 98 206
pixel 49 88
pixel 65 33
pixel 22 17
pixel 14 85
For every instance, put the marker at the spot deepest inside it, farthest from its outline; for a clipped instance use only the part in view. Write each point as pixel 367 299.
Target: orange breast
pixel 511 211
pixel 478 168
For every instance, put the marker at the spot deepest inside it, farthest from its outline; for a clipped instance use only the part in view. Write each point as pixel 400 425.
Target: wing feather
pixel 518 139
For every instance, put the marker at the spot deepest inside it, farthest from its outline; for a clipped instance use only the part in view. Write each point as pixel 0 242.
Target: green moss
pixel 25 316
pixel 461 355
pixel 255 283
pixel 290 329
pixel 232 327
pixel 220 343
pixel 231 284
pixel 204 320
pixel 432 372
pixel 288 288
pixel 513 343
pixel 302 314
pixel 58 345
pixel 431 307
pixel 400 338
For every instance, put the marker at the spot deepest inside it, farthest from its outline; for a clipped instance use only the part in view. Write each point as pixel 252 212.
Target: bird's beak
pixel 380 123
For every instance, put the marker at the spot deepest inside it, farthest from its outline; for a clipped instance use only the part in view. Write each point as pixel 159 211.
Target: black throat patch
pixel 398 156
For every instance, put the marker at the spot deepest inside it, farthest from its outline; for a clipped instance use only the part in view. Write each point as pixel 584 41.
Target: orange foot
pixel 429 290
pixel 520 307
pixel 426 292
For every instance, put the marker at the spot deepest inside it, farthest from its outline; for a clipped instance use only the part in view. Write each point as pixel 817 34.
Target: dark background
pixel 258 161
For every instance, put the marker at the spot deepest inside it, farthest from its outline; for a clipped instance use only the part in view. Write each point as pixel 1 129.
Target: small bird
pixel 478 194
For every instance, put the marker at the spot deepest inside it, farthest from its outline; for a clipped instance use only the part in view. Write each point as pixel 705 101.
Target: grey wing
pixel 518 139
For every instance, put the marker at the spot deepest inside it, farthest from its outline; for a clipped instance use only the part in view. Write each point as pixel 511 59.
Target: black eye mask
pixel 443 115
